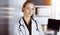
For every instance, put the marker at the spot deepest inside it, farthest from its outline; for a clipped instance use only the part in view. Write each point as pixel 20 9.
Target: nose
pixel 30 10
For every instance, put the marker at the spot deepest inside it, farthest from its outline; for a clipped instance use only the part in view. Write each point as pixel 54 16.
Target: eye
pixel 32 8
pixel 28 8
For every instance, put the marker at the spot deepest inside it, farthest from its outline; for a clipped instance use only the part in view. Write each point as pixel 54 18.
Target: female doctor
pixel 27 25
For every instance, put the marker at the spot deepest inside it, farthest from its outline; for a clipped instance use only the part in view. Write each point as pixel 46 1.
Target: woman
pixel 27 25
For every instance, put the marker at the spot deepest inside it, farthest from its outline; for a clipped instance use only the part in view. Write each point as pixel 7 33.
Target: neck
pixel 27 18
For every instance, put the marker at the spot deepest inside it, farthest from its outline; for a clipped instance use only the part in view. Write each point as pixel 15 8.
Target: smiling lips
pixel 29 13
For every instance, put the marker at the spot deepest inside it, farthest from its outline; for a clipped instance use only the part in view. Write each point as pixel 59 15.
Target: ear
pixel 22 9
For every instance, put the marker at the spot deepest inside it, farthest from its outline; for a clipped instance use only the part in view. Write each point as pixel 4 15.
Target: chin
pixel 29 15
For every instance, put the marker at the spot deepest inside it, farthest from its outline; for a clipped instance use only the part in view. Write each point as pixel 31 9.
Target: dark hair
pixel 24 5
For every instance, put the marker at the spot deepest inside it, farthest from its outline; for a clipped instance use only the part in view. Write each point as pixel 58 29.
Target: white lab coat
pixel 24 30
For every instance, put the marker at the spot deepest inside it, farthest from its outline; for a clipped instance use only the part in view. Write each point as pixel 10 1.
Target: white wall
pixel 57 7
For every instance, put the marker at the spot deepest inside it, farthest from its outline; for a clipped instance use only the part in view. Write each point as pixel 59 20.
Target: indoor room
pixel 46 13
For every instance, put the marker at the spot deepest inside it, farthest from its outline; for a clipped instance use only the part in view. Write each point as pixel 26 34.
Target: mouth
pixel 29 13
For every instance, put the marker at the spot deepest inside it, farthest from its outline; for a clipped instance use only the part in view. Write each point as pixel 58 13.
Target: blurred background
pixel 10 13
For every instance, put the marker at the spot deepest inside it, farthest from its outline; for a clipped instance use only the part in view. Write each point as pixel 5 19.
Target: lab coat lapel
pixel 33 27
pixel 34 31
pixel 27 32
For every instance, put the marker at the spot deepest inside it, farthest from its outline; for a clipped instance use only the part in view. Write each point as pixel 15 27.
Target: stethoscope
pixel 21 25
pixel 24 27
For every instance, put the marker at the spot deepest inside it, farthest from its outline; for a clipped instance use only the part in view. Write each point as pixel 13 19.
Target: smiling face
pixel 28 9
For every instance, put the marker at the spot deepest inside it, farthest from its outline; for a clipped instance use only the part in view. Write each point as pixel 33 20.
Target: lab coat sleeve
pixel 40 29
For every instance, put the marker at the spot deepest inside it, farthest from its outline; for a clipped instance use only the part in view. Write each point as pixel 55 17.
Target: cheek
pixel 25 11
pixel 32 12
